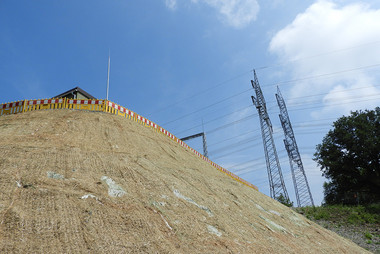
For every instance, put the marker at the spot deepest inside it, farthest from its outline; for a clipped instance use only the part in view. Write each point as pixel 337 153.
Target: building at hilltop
pixel 75 93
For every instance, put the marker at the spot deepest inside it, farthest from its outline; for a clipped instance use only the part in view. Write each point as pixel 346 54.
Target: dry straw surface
pixel 84 182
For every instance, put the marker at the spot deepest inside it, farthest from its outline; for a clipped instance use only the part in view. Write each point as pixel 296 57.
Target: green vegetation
pixel 284 201
pixel 356 215
pixel 349 158
pixel 368 235
pixel 360 224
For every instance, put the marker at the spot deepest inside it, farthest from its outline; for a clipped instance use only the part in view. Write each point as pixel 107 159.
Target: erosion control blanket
pixel 85 182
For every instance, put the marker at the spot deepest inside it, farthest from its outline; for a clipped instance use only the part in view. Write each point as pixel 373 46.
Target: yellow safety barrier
pixel 43 104
pixel 11 108
pixel 108 107
pixel 87 104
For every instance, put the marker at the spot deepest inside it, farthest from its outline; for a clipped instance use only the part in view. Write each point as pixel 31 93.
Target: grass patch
pixel 368 235
pixel 356 215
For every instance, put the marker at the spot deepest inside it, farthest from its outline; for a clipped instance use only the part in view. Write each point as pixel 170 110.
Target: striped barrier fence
pixel 108 107
pixel 87 104
pixel 43 104
pixel 11 108
pixel 116 109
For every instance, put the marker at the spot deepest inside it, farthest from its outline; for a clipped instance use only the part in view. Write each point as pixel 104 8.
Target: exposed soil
pixel 356 233
pixel 85 182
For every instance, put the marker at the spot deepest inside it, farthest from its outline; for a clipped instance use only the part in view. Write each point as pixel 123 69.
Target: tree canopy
pixel 349 157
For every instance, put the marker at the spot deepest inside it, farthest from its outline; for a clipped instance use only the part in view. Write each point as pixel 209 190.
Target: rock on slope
pixel 75 181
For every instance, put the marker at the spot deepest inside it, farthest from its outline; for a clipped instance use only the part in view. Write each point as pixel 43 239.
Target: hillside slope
pixel 75 181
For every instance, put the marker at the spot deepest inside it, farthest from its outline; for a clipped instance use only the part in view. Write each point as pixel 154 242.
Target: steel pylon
pixel 301 186
pixel 276 180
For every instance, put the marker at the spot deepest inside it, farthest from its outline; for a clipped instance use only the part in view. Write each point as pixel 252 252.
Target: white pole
pixel 108 73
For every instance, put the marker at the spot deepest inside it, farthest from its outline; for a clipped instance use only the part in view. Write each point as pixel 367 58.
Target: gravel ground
pixel 356 233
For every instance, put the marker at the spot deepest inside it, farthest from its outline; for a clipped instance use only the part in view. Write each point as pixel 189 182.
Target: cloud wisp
pixel 171 4
pixel 234 13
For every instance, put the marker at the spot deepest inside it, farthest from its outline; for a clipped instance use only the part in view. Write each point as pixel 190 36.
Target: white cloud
pixel 235 13
pixel 350 37
pixel 360 93
pixel 171 4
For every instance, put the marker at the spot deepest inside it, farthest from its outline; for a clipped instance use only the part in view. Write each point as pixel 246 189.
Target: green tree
pixel 284 201
pixel 349 157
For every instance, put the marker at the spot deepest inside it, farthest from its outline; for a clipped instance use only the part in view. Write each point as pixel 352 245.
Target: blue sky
pixel 181 62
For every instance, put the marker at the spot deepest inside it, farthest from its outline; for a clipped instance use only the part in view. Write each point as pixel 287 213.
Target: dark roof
pixel 75 90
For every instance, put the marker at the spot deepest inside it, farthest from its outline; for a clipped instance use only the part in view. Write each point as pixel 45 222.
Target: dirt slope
pixel 85 182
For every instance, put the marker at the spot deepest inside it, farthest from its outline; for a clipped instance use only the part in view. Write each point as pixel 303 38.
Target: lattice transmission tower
pixel 301 186
pixel 276 180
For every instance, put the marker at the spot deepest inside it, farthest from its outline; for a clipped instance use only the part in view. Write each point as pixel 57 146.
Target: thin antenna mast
pixel 108 72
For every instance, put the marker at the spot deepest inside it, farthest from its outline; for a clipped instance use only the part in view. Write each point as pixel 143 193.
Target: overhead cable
pixel 314 56
pixel 202 92
pixel 213 104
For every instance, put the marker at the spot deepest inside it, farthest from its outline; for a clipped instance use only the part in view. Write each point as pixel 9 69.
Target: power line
pixel 201 109
pixel 232 123
pixel 324 75
pixel 237 165
pixel 319 131
pixel 296 126
pixel 234 137
pixel 314 56
pixel 276 134
pixel 217 118
pixel 239 144
pixel 274 84
pixel 317 101
pixel 236 151
pixel 273 105
pixel 342 91
pixel 333 104
pixel 265 67
pixel 243 173
pixel 259 68
pixel 236 144
pixel 202 92
pixel 340 103
pixel 262 163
